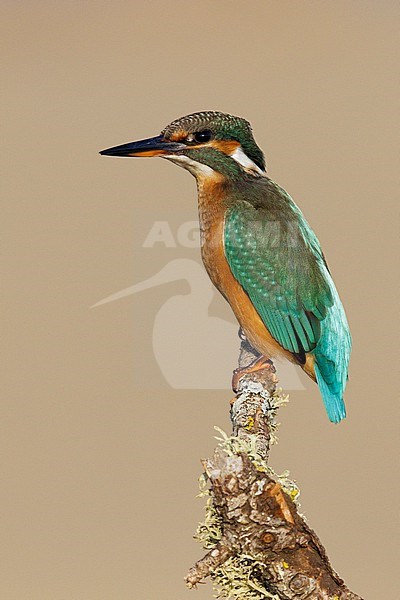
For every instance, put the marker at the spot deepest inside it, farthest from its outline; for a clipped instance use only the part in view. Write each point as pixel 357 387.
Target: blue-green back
pixel 276 257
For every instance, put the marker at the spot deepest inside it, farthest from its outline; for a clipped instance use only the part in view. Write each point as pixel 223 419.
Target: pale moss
pixel 209 532
pixel 233 446
pixel 238 578
pixel 274 402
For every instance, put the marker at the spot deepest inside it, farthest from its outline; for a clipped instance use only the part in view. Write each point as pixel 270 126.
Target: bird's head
pixel 203 143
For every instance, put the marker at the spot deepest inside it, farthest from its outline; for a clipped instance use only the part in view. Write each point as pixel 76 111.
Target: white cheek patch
pixel 245 161
pixel 196 168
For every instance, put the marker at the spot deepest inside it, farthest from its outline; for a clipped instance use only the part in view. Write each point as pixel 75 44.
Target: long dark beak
pixel 156 146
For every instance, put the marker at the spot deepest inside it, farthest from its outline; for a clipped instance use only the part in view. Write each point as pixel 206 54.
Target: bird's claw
pixel 259 364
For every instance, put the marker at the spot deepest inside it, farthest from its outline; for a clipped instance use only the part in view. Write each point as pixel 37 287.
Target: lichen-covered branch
pixel 259 544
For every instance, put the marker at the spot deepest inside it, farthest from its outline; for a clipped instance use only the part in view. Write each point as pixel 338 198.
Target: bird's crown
pixel 223 129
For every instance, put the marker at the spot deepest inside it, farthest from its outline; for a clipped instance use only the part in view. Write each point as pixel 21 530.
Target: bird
pixel 259 250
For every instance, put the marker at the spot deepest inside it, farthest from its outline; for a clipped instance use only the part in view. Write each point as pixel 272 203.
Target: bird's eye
pixel 202 136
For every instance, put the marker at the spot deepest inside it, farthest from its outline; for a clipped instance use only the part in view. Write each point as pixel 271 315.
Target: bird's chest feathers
pixel 212 208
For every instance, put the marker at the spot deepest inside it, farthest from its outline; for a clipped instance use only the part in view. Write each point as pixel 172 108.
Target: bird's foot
pixel 259 364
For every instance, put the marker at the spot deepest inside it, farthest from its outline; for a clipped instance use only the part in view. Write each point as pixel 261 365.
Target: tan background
pixel 98 469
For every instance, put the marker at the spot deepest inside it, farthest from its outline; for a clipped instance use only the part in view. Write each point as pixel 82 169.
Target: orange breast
pixel 211 214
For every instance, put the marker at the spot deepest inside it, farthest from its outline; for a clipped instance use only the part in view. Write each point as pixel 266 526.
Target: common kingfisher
pixel 259 250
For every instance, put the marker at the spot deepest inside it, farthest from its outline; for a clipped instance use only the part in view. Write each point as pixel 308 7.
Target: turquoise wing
pixel 280 273
pixel 280 265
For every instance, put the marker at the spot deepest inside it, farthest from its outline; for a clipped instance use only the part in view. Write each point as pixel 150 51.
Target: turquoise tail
pixel 333 398
pixel 332 355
